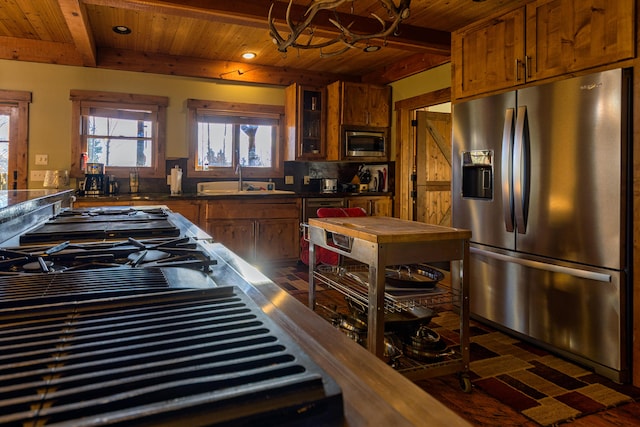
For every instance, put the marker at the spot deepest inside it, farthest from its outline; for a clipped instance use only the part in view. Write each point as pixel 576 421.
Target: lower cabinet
pixel 374 205
pixel 259 231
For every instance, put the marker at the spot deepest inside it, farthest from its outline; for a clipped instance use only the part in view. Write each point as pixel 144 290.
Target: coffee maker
pixel 94 180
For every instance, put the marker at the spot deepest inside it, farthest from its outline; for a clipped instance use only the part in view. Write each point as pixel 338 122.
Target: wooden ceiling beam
pixel 128 60
pixel 39 51
pixel 412 65
pixel 75 15
pixel 254 13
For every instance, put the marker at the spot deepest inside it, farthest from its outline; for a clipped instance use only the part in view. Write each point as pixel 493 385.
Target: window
pixel 225 135
pixel 121 131
pixel 14 125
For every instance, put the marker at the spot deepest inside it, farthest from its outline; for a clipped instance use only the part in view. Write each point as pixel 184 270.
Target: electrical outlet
pixel 38 175
pixel 306 180
pixel 42 159
pixel 288 179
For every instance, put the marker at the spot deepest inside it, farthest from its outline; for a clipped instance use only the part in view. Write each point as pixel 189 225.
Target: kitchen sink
pixel 230 188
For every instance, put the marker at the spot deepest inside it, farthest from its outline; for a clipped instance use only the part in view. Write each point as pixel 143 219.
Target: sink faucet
pixel 239 173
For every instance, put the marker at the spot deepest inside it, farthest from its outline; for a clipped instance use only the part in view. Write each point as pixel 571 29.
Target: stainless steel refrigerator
pixel 541 176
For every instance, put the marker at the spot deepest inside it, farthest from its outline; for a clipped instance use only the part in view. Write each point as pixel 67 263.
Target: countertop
pixel 379 229
pixel 40 204
pixel 13 198
pixel 161 197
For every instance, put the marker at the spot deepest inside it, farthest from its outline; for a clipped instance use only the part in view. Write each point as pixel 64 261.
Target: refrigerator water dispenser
pixel 477 174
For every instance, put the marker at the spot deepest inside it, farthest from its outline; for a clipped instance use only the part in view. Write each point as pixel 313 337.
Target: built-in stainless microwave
pixel 365 142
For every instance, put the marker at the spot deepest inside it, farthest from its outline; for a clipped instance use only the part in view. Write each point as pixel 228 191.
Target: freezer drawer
pixel 579 312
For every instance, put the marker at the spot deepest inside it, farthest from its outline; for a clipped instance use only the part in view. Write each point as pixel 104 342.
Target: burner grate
pixel 67 286
pixel 184 357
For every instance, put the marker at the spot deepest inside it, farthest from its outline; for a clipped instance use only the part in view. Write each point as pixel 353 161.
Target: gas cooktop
pixel 103 223
pixel 118 320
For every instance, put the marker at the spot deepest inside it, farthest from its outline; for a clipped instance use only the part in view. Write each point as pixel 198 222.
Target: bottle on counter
pixel 176 180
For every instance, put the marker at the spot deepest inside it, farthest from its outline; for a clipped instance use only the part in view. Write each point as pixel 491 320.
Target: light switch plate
pixel 42 159
pixel 288 179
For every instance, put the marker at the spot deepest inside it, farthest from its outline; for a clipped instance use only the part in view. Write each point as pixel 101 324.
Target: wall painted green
pixel 50 110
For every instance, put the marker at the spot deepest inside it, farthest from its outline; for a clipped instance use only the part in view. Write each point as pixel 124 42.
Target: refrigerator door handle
pixel 518 169
pixel 584 274
pixel 507 195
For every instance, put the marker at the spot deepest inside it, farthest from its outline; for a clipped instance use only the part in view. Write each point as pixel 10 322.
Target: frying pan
pixel 413 276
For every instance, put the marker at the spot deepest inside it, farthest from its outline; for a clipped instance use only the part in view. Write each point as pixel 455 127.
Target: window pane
pixel 120 152
pixel 256 144
pixel 119 142
pixel 104 126
pixel 4 127
pixel 4 151
pixel 215 145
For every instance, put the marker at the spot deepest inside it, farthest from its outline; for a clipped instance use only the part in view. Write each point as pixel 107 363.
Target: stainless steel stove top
pixel 137 331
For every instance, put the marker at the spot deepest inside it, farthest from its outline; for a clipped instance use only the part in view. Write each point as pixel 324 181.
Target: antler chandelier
pixel 346 38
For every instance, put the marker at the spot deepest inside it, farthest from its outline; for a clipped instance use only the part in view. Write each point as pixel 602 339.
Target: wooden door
pixel 433 168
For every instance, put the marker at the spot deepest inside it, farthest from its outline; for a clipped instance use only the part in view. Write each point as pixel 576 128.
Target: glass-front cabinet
pixel 305 119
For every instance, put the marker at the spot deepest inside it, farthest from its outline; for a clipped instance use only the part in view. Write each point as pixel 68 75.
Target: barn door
pixel 433 168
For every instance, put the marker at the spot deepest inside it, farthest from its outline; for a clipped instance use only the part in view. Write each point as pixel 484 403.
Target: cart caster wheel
pixel 465 383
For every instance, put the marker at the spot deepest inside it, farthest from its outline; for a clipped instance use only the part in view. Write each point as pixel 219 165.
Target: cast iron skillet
pixel 413 276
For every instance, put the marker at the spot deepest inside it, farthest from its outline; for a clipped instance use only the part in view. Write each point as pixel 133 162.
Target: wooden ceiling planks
pixel 205 38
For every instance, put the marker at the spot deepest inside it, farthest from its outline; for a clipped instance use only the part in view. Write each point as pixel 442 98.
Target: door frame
pixel 404 140
pixel 16 104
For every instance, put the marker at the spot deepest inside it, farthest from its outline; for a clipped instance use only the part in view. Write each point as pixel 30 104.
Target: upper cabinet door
pixel 354 108
pixel 564 36
pixel 305 123
pixel 366 105
pixel 489 56
pixel 379 105
pixel 543 39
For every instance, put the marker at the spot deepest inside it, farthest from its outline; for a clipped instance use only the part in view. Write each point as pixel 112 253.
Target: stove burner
pixel 148 255
pixel 40 265
pixel 182 252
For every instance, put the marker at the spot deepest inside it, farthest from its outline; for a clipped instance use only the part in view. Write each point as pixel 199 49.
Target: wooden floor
pixel 480 409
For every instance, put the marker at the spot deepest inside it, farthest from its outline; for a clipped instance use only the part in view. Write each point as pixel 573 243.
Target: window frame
pixel 197 107
pixel 82 100
pixel 16 104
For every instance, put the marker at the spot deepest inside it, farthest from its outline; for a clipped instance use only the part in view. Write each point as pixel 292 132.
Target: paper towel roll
pixel 176 180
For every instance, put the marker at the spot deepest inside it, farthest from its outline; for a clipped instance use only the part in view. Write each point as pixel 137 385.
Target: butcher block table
pixel 384 241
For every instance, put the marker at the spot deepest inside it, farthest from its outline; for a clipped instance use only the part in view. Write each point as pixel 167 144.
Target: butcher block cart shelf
pixel 379 242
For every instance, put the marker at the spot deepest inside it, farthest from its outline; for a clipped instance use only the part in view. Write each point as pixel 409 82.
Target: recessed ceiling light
pixel 371 48
pixel 248 55
pixel 121 29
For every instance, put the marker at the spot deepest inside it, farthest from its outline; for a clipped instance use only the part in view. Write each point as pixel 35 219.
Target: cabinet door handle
pixel 517 70
pixel 527 67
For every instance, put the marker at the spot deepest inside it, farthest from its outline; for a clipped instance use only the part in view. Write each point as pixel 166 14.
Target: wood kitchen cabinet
pixel 543 39
pixel 373 205
pixel 356 105
pixel 304 122
pixel 258 230
pixel 364 104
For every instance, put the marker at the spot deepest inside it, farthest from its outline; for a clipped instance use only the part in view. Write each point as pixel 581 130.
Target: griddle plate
pixel 178 357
